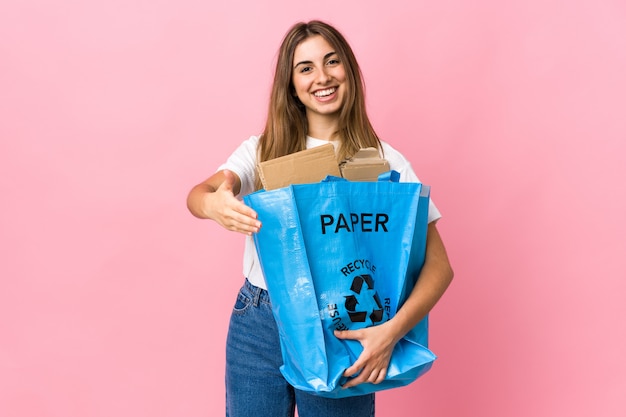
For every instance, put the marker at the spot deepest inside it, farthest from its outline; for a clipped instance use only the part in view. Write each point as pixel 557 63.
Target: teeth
pixel 324 93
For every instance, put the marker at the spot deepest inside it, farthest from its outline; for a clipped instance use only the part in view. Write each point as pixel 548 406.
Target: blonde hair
pixel 286 126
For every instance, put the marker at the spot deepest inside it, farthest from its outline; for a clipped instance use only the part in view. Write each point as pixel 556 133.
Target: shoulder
pixel 395 158
pixel 398 162
pixel 246 152
pixel 249 145
pixel 389 150
pixel 243 163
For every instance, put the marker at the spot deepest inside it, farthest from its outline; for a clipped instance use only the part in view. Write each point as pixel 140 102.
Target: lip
pixel 328 97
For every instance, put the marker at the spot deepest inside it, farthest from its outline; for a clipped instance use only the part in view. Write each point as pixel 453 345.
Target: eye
pixel 333 61
pixel 305 69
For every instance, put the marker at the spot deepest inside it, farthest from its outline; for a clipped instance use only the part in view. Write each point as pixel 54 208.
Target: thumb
pixel 229 180
pixel 344 334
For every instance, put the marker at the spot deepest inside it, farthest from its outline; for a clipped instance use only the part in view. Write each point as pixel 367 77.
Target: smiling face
pixel 319 78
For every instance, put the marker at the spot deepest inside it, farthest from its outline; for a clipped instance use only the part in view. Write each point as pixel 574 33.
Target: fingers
pixel 245 222
pixel 240 218
pixel 365 369
pixel 366 375
pixel 228 211
pixel 371 366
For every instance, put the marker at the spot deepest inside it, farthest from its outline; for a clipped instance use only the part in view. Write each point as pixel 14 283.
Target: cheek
pixel 340 75
pixel 299 86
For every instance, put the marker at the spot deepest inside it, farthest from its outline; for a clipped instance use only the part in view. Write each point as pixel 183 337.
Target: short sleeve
pixel 243 163
pixel 398 162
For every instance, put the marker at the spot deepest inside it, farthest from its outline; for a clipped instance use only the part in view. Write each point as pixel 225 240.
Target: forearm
pixel 196 200
pixel 378 341
pixel 434 279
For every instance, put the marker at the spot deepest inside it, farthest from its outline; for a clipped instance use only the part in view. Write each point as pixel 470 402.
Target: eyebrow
pixel 328 55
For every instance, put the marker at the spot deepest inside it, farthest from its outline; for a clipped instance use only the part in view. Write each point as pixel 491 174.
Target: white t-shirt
pixel 243 162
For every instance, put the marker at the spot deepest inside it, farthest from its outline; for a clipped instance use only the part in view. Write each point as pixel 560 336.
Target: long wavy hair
pixel 286 126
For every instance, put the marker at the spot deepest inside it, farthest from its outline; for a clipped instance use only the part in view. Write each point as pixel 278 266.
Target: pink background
pixel 114 301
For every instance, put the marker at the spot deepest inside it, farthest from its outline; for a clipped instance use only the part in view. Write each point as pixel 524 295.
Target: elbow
pixel 449 274
pixel 446 273
pixel 190 203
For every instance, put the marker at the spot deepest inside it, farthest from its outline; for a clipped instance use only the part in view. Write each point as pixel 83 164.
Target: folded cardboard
pixel 365 165
pixel 304 167
pixel 315 164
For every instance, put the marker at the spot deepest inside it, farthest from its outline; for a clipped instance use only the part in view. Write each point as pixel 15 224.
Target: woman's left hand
pixel 378 341
pixel 371 365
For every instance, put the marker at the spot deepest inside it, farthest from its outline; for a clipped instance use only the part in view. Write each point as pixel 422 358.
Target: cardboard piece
pixel 304 167
pixel 365 165
pixel 313 165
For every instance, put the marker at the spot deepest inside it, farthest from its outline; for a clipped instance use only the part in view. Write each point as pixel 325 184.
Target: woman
pixel 317 97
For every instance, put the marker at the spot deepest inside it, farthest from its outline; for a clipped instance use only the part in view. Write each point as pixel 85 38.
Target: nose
pixel 323 76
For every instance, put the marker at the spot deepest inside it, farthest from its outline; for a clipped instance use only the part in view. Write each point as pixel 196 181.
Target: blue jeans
pixel 254 385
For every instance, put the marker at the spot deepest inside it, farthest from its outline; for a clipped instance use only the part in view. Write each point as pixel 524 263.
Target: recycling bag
pixel 342 255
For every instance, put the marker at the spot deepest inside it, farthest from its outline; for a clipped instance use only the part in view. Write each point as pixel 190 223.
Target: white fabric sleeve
pixel 398 162
pixel 243 162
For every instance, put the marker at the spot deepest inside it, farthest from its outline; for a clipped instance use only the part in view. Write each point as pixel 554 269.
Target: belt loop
pixel 257 296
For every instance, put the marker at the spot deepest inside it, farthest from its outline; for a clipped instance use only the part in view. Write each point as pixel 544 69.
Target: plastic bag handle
pixel 389 176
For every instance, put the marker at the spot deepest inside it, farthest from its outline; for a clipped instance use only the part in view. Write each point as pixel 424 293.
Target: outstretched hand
pixel 223 207
pixel 371 366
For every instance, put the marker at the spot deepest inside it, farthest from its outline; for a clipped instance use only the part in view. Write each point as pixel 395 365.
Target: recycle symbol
pixel 364 302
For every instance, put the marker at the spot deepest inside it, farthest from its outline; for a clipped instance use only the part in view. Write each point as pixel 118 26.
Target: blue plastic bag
pixel 342 255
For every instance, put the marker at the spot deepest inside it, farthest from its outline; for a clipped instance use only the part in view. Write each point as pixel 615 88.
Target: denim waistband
pixel 258 293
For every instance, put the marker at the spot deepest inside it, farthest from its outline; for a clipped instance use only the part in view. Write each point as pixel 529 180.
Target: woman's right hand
pixel 215 199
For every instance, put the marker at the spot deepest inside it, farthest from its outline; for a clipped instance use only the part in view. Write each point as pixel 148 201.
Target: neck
pixel 323 127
